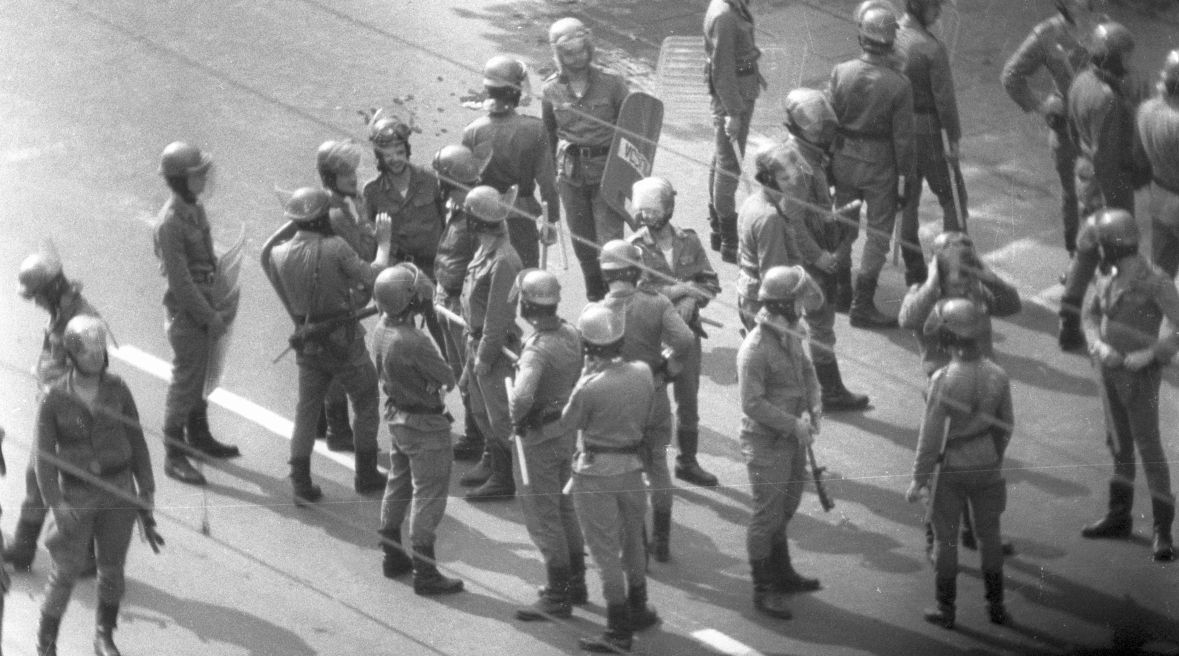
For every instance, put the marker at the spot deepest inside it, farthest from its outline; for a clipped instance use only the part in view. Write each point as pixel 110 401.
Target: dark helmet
pixel 782 283
pixel 37 273
pixel 503 71
pixel 1110 41
pixel 487 210
pixel 307 204
pixel 456 164
pixel 338 157
pixel 180 159
pixel 400 288
pixel 960 317
pixel 809 113
pixel 1169 75
pixel 1116 229
pixel 917 8
pixel 387 130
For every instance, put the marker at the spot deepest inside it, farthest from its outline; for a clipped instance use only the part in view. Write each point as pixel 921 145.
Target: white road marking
pixel 723 643
pixel 238 405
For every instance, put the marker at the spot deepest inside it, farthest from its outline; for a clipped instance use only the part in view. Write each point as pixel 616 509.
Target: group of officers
pixel 579 414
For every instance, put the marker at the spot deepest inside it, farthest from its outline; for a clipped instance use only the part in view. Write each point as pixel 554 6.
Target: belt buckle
pixel 583 152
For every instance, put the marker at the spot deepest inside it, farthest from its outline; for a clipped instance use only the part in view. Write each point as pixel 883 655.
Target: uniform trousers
pixel 985 492
pixel 1133 398
pixel 1164 235
pixel 653 452
pixel 489 397
pixel 864 170
pixel 419 477
pixel 1064 156
pixel 591 221
pixel 777 474
pixel 522 231
pixel 32 509
pixel 190 362
pixel 931 165
pixel 724 172
pixel 354 370
pixel 685 388
pixel 549 515
pixel 98 516
pixel 611 511
pixel 1093 194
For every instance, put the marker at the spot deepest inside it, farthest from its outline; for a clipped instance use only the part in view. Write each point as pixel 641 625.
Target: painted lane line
pixel 723 643
pixel 238 405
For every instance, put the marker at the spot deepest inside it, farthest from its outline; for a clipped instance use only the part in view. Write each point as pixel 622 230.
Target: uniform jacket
pixel 52 362
pixel 456 249
pixel 874 104
pixel 586 120
pixel 997 298
pixel 1101 119
pixel 1158 137
pixel 548 368
pixel 350 222
pixel 976 396
pixel 927 65
pixel 184 245
pixel 651 322
pixel 1052 46
pixel 520 155
pixel 609 405
pixel 413 375
pixel 773 373
pixel 107 442
pixel 765 240
pixel 689 263
pixel 417 218
pixel 489 299
pixel 1128 307
pixel 810 230
pixel 341 271
pixel 733 78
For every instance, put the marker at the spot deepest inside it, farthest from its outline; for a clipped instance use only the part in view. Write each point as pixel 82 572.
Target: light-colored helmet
pixel 307 204
pixel 456 164
pixel 864 6
pixel 487 209
pixel 878 26
pixel 618 254
pixel 567 30
pixel 503 71
pixel 539 287
pixel 959 316
pixel 653 196
pixel 1111 40
pixel 84 332
pixel 810 112
pixel 37 272
pixel 1169 75
pixel 1116 228
pixel 782 283
pixel 601 326
pixel 386 130
pixel 338 156
pixel 180 158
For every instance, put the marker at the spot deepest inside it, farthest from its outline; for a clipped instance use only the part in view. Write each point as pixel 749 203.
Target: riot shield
pixel 224 298
pixel 632 153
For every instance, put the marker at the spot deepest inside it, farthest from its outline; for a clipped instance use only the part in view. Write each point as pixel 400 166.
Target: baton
pixel 544 248
pixel 451 316
pixel 710 322
pixel 937 472
pixel 1110 426
pixel 564 248
pixel 958 209
pixel 519 441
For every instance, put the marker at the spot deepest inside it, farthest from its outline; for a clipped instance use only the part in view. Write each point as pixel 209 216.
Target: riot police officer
pixel 317 272
pixel 651 324
pixel 781 405
pixel 967 426
pixel 517 152
pixel 415 378
pixel 43 282
pixel 1158 135
pixel 676 265
pixel 88 431
pixel 549 366
pixel 1122 321
pixel 184 245
pixel 607 410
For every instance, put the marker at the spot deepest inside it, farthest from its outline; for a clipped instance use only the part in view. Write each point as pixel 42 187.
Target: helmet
pixel 652 197
pixel 619 254
pixel 959 316
pixel 781 283
pixel 1111 40
pixel 539 287
pixel 504 71
pixel 387 130
pixel 37 272
pixel 951 238
pixel 487 209
pixel 873 4
pixel 338 156
pixel 457 164
pixel 1116 228
pixel 1170 73
pixel 85 332
pixel 307 204
pixel 567 30
pixel 878 26
pixel 397 287
pixel 180 158
pixel 809 111
pixel 600 326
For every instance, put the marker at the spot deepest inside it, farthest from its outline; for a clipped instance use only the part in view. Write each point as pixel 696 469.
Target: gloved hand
pixel 1105 354
pixel 952 151
pixel 686 307
pixel 216 326
pixel 548 233
pixel 825 262
pixel 914 492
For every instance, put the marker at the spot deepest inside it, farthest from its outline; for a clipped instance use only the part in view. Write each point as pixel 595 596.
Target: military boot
pixel 1164 515
pixel 836 397
pixel 714 235
pixel 945 591
pixel 686 467
pixel 176 463
pixel 368 478
pixel 1071 337
pixel 968 541
pixel 618 635
pixel 339 431
pixel 201 439
pixel 729 239
pixel 1117 522
pixel 107 617
pixel 304 489
pixel 554 602
pixel 470 445
pixel 395 561
pixel 47 635
pixel 23 550
pixel 578 594
pixel 427 580
pixel 501 485
pixel 642 616
pixel 766 599
pixel 993 585
pixel 863 313
pixel 660 548
pixel 787 579
pixel 842 299
pixel 478 474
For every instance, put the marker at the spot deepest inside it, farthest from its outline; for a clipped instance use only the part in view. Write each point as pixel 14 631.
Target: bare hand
pixel 216 326
pixel 802 430
pixel 952 151
pixel 686 309
pixel 548 234
pixel 732 127
pixel 826 262
pixel 384 228
pixel 1105 354
pixel 1138 360
pixel 816 420
pixel 913 493
pixel 482 369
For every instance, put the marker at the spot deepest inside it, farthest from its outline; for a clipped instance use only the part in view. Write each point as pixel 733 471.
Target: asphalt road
pixel 92 91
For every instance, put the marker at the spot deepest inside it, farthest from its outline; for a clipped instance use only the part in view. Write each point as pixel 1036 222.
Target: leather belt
pixel 585 152
pixel 99 470
pixel 416 409
pixel 203 278
pixel 612 449
pixel 867 136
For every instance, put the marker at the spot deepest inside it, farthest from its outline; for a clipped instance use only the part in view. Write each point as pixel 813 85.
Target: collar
pixel 191 213
pixel 547 324
pixel 810 150
pixel 591 77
